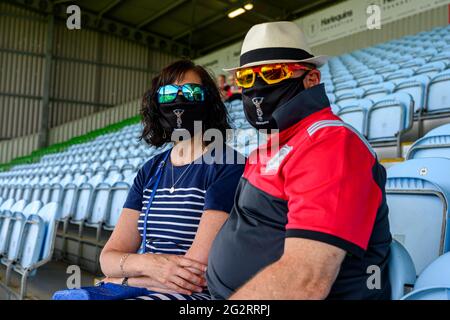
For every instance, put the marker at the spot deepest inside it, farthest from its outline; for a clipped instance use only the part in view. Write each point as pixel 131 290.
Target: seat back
pixel 119 193
pixel 417 193
pixel 8 207
pixel 17 227
pixel 417 88
pixel 434 282
pixel 70 196
pixel 101 200
pixel 401 270
pixel 39 236
pixel 437 293
pixel 389 117
pixel 378 91
pixel 438 93
pixel 437 274
pixel 435 144
pixel 85 197
pixel 355 114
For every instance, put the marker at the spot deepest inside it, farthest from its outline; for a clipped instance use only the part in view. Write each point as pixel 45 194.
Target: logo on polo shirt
pixel 274 164
pixel 257 101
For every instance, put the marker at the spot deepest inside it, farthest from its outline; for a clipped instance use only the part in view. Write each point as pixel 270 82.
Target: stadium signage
pixel 337 18
pixel 352 16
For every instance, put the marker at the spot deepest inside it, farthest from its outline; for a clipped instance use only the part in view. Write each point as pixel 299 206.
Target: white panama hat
pixel 276 42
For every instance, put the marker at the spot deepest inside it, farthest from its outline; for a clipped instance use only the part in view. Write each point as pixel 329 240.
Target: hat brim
pixel 317 61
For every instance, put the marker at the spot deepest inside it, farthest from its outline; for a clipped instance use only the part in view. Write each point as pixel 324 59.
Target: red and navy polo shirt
pixel 318 179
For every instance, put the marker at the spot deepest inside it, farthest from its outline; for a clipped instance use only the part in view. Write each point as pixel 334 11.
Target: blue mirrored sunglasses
pixel 191 91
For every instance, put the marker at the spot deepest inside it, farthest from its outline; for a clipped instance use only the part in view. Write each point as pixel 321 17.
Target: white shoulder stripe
pixel 336 123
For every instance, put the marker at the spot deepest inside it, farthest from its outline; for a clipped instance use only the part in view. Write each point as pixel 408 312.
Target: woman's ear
pixel 312 79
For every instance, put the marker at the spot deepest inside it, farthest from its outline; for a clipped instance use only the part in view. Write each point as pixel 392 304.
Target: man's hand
pixel 307 270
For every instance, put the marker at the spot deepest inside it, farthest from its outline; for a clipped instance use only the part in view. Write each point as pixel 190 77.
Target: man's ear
pixel 312 79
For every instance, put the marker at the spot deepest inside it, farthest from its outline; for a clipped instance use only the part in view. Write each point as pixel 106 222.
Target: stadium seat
pixel 401 270
pixel 377 91
pixel 349 97
pixel 417 193
pixel 438 93
pixel 355 114
pixel 434 282
pixel 434 144
pixel 389 117
pixel 8 222
pixel 18 221
pixel 417 87
pixel 38 243
pixel 431 69
pixel 118 195
pixel 399 75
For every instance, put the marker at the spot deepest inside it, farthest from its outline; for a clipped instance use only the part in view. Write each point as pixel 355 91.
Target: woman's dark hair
pixel 157 132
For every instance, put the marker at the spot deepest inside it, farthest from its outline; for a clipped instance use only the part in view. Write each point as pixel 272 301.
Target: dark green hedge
pixel 36 155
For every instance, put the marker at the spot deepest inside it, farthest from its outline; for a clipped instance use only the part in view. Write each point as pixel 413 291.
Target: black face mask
pixel 182 113
pixel 261 100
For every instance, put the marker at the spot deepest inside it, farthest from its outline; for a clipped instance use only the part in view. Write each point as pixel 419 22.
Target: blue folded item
pixel 104 291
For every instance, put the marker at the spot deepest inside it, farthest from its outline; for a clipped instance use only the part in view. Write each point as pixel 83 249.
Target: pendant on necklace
pixel 172 190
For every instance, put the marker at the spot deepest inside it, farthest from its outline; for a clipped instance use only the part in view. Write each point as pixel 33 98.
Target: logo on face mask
pixel 257 101
pixel 178 113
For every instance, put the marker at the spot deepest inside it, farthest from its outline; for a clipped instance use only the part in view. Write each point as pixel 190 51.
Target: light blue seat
pixel 355 114
pixel 38 243
pixel 431 69
pixel 417 87
pixel 331 97
pixel 399 75
pixel 4 211
pixel 389 117
pixel 18 220
pixel 438 93
pixel 343 78
pixel 378 91
pixel 387 69
pixel 418 193
pixel 369 81
pixel 85 198
pixel 70 197
pixel 335 108
pixel 344 87
pixel 8 222
pixel 414 63
pixel 434 144
pixel 118 195
pixel 401 270
pixel 349 96
pixel 100 202
pixel 434 282
pixel 442 56
pixel 363 74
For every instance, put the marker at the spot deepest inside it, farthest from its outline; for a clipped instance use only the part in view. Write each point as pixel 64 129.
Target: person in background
pixel 223 86
pixel 193 197
pixel 234 91
pixel 310 214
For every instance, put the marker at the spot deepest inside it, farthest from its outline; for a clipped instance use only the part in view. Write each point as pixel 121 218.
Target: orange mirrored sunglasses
pixel 271 73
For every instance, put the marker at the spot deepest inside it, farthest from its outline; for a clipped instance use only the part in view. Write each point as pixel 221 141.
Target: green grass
pixel 36 155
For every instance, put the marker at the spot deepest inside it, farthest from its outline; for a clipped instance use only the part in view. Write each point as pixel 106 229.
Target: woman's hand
pixel 176 273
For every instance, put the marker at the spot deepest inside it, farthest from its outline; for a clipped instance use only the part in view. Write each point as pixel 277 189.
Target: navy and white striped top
pixel 174 217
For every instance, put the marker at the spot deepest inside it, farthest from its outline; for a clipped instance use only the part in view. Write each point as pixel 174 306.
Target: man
pixel 310 219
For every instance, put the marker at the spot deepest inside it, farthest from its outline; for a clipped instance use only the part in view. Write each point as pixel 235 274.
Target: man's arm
pixel 307 270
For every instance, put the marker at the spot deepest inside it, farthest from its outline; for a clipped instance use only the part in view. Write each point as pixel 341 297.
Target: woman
pixel 192 198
